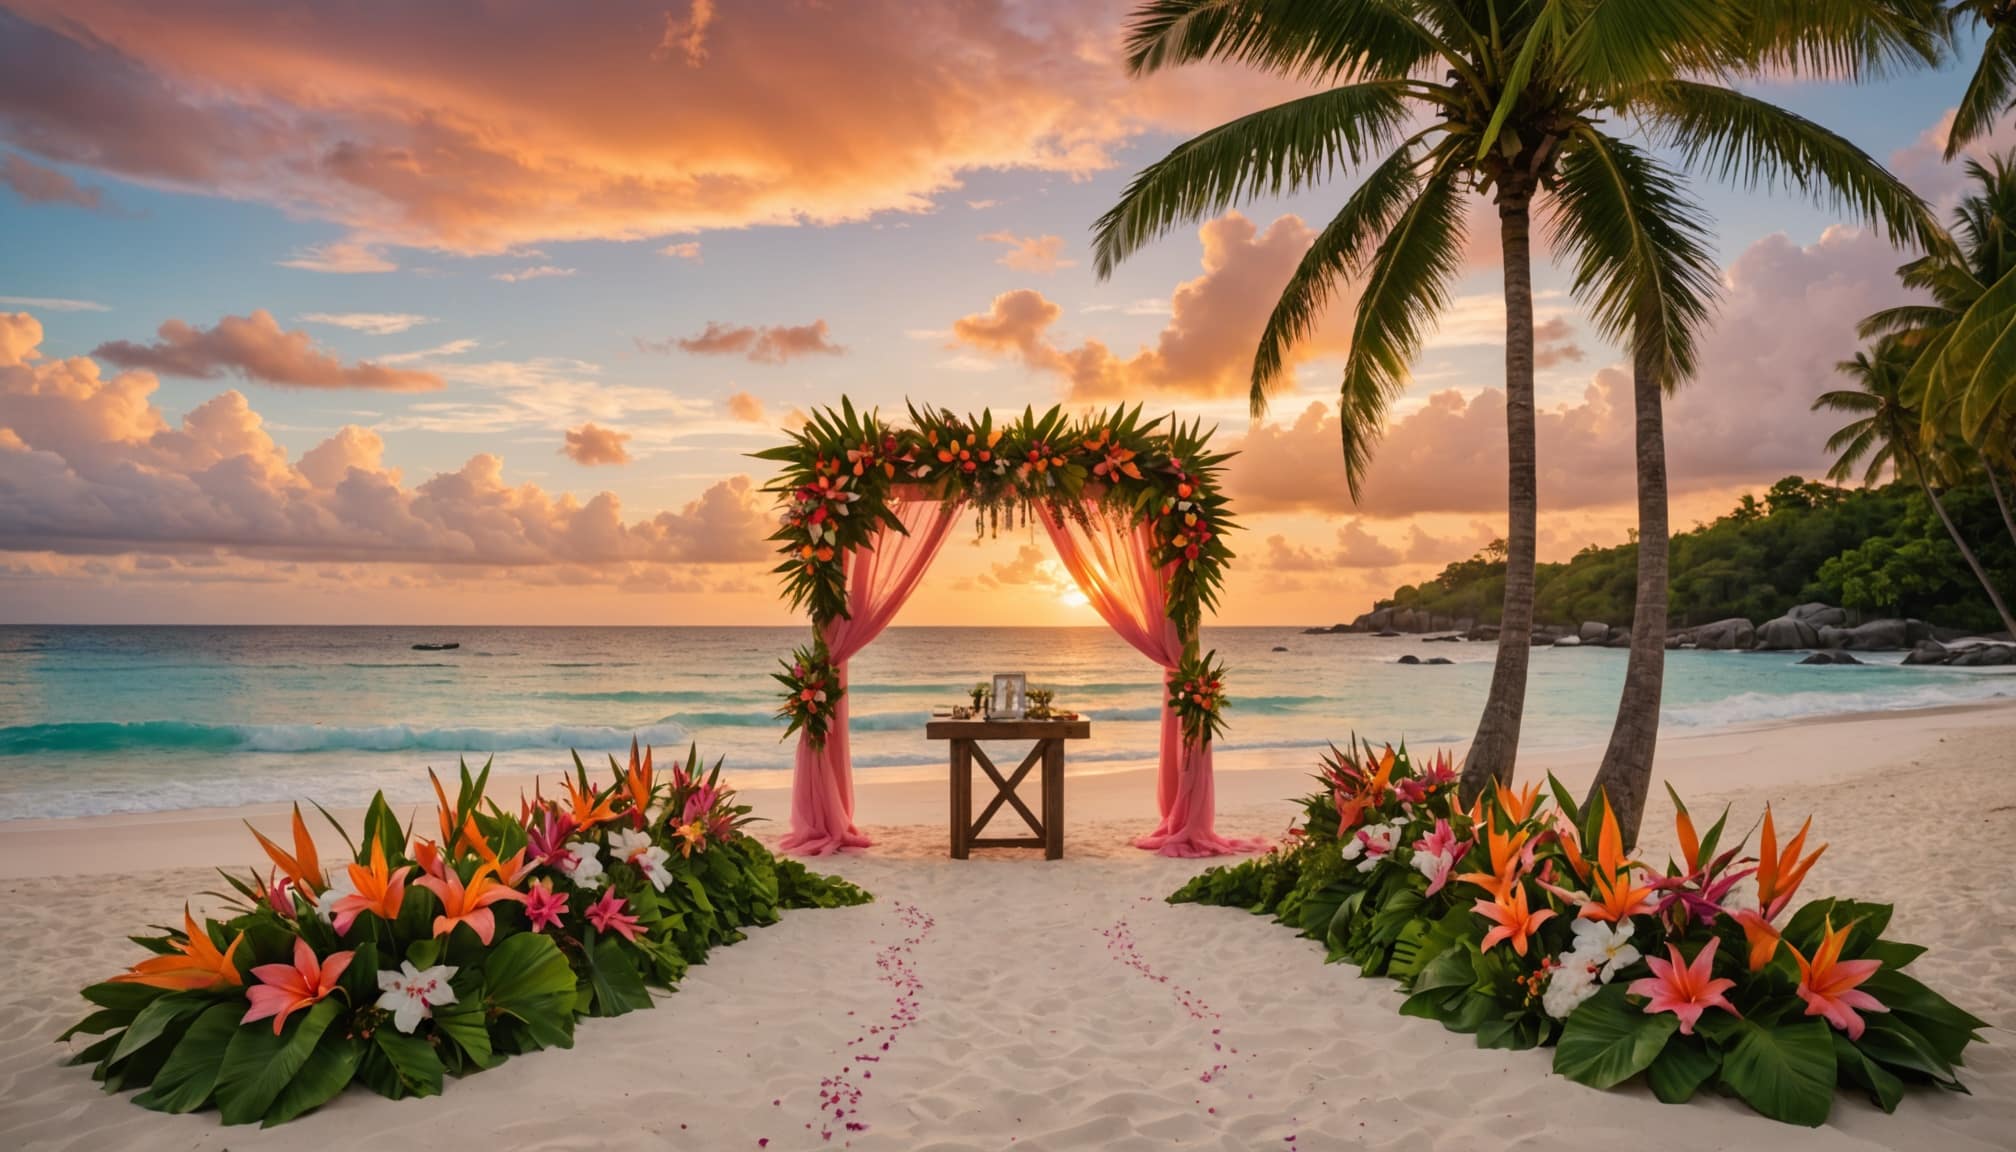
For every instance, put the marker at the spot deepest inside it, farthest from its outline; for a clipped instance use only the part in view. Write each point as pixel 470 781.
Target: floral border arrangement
pixel 1197 694
pixel 1526 924
pixel 418 958
pixel 812 690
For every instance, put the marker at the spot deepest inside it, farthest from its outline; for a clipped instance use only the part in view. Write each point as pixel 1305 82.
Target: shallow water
pixel 96 720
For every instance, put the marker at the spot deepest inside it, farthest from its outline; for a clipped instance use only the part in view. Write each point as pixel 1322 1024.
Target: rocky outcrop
pixel 1830 658
pixel 1787 633
pixel 1593 632
pixel 1724 635
pixel 1819 615
pixel 1983 656
pixel 1928 652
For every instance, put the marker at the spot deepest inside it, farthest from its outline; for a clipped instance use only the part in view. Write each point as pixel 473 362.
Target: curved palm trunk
pixel 1496 745
pixel 2001 499
pixel 1966 553
pixel 1625 778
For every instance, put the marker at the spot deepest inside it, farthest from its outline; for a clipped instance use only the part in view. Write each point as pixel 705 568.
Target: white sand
pixel 1063 1005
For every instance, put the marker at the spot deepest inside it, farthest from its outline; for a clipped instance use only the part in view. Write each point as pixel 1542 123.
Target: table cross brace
pixel 1007 789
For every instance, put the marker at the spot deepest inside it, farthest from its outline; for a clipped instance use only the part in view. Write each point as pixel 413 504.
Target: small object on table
pixel 1006 701
pixel 965 737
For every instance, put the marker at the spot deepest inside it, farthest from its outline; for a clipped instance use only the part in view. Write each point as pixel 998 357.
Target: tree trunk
pixel 1966 553
pixel 1625 778
pixel 2001 498
pixel 1496 746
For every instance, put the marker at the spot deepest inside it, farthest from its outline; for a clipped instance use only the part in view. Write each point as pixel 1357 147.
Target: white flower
pixel 635 847
pixel 1374 841
pixel 1607 948
pixel 1432 864
pixel 340 885
pixel 411 995
pixel 586 870
pixel 1572 983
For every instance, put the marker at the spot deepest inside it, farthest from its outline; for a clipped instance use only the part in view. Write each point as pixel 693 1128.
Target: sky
pixel 472 312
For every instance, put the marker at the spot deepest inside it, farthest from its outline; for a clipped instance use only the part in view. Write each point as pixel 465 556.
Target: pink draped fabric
pixel 881 576
pixel 1113 564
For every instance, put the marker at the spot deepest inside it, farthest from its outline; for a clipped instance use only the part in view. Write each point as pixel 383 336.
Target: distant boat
pixel 435 647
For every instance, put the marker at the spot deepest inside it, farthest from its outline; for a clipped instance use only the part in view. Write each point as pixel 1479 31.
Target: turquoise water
pixel 96 720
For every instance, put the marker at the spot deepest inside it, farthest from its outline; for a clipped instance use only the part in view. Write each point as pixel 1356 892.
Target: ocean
pixel 134 719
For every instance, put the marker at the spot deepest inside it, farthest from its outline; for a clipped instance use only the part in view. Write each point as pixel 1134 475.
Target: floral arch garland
pixel 1134 506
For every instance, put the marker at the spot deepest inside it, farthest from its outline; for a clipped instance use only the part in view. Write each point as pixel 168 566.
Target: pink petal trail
pixel 840 1094
pixel 1121 946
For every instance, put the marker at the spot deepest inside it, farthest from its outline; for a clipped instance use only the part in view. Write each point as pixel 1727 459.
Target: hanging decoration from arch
pixel 867 502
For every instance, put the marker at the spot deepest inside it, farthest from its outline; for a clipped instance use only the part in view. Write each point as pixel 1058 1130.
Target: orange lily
pixel 638 784
pixel 194 965
pixel 472 839
pixel 379 890
pixel 1517 805
pixel 1762 936
pixel 1354 809
pixel 1515 922
pixel 691 836
pixel 1779 876
pixel 469 904
pixel 304 866
pixel 1690 842
pixel 1505 861
pixel 588 809
pixel 1572 850
pixel 1617 900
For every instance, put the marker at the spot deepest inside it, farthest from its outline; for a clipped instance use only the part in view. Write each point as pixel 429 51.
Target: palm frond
pixel 1313 40
pixel 1640 248
pixel 1339 250
pixel 1754 141
pixel 1627 42
pixel 1408 285
pixel 1990 91
pixel 1904 318
pixel 1276 151
pixel 1841 39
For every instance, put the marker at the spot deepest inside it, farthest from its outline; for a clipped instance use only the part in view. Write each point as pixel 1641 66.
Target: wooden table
pixel 965 737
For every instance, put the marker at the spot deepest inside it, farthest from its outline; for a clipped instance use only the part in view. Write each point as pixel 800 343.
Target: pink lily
pixel 1441 849
pixel 607 915
pixel 701 802
pixel 1686 990
pixel 544 907
pixel 546 837
pixel 283 988
pixel 1828 983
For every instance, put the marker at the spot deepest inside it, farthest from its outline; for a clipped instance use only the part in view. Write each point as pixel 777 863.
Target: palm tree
pixel 1512 100
pixel 1886 434
pixel 1991 91
pixel 1984 232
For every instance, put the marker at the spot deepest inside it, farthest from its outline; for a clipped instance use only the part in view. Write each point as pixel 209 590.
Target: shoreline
pixel 1805 749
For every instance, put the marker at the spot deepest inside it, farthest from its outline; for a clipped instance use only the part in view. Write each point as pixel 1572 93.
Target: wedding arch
pixel 1133 508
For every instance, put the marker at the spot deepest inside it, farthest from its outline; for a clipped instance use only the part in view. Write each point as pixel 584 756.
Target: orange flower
pixel 1517 805
pixel 193 966
pixel 1831 986
pixel 379 890
pixel 284 989
pixel 1354 809
pixel 1506 859
pixel 1515 922
pixel 1779 876
pixel 1762 936
pixel 304 866
pixel 639 784
pixel 468 904
pixel 589 808
pixel 1617 900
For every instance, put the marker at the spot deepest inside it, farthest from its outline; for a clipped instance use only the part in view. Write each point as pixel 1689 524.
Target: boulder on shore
pixel 1830 658
pixel 1928 652
pixel 1409 658
pixel 1984 656
pixel 1878 636
pixel 1438 660
pixel 1592 632
pixel 1787 633
pixel 1723 635
pixel 1819 615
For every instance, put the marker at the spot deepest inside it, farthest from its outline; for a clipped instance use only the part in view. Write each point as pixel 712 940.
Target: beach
pixel 1006 1002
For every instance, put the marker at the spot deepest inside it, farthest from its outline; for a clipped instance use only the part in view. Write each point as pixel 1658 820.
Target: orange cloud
pixel 549 122
pixel 1206 349
pixel 90 466
pixel 1554 344
pixel 592 444
pixel 772 344
pixel 38 185
pixel 256 348
pixel 683 250
pixel 746 408
pixel 535 272
pixel 1040 254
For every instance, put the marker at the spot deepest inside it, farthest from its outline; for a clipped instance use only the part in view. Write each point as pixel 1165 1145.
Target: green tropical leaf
pixel 1785 1071
pixel 619 988
pixel 258 1064
pixel 1686 1063
pixel 1606 1040
pixel 189 1076
pixel 1882 1086
pixel 414 1065
pixel 527 978
pixel 322 1078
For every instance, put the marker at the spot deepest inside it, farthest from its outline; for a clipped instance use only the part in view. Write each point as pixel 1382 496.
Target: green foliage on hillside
pixel 1880 550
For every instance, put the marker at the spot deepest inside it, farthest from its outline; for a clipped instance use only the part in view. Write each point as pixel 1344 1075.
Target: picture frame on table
pixel 1011 696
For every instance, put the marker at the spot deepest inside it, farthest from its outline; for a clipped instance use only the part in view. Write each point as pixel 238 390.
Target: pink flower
pixel 543 906
pixel 701 802
pixel 546 838
pixel 607 915
pixel 1828 983
pixel 283 988
pixel 1435 855
pixel 1686 990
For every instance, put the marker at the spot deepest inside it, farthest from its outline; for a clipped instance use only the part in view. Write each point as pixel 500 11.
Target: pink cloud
pixel 591 444
pixel 256 348
pixel 1787 317
pixel 746 408
pixel 38 185
pixel 770 344
pixel 1039 254
pixel 90 466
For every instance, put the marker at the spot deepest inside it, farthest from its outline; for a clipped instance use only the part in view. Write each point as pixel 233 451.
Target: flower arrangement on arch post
pixel 1522 921
pixel 1197 693
pixel 812 690
pixel 416 956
